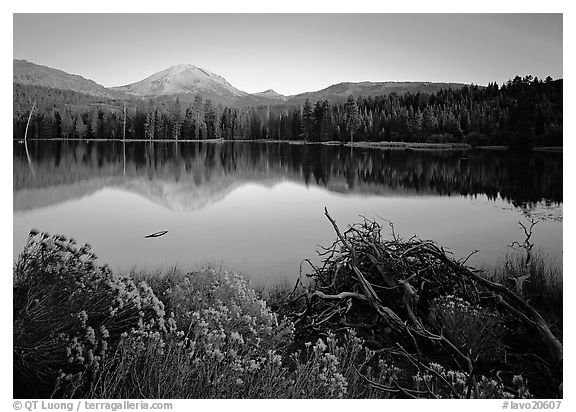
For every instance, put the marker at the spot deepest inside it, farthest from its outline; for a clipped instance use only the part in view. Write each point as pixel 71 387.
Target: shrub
pixel 219 309
pixel 440 382
pixel 145 365
pixel 226 343
pixel 69 312
pixel 222 342
pixel 474 329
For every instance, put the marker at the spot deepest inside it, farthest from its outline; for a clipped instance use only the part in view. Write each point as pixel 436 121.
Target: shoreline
pixel 360 144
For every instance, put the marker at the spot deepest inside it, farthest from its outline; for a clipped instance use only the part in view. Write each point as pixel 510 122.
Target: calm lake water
pixel 258 207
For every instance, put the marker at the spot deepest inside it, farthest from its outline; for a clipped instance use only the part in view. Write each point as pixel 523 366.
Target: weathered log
pixel 341 295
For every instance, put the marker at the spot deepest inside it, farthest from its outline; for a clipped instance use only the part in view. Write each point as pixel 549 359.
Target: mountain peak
pixel 184 79
pixel 186 69
pixel 181 67
pixel 271 94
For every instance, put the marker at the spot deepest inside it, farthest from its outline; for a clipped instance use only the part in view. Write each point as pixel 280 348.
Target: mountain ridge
pixel 32 74
pixel 339 92
pixel 186 81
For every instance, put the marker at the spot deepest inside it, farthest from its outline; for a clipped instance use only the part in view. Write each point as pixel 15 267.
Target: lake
pixel 259 207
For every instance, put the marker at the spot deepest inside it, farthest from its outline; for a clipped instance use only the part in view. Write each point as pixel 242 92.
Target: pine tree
pixel 307 121
pixel 95 124
pixel 327 122
pixel 148 126
pixel 176 119
pixel 352 117
pixel 80 127
pixel 188 125
pixel 210 119
pixel 67 124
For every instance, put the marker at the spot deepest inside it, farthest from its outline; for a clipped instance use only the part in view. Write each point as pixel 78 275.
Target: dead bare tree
pixel 28 122
pixel 30 164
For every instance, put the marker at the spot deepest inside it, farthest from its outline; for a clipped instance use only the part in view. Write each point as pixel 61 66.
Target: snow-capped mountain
pixel 186 80
pixel 182 78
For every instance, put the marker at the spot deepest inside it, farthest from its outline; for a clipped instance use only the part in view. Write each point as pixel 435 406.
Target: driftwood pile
pixel 388 289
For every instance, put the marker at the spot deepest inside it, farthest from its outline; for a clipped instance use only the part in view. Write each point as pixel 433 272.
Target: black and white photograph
pixel 286 206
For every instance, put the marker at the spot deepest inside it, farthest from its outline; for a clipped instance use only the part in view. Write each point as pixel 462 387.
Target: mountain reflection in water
pixel 101 182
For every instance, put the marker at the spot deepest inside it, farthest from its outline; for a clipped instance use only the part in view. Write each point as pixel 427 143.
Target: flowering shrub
pixel 220 341
pixel 218 312
pixel 329 369
pixel 145 365
pixel 323 368
pixel 69 311
pixel 442 383
pixel 474 329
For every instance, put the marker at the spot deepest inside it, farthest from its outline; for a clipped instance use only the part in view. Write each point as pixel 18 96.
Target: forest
pixel 521 113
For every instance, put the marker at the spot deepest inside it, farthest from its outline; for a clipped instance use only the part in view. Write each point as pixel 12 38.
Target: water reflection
pixel 522 179
pixel 258 207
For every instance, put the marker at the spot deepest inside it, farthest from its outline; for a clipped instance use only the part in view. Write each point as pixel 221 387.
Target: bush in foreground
pixel 69 312
pixel 81 331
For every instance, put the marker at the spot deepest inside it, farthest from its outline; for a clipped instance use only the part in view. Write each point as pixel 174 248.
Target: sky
pixel 294 53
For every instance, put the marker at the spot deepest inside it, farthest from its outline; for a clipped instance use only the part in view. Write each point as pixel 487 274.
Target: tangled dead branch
pixel 411 294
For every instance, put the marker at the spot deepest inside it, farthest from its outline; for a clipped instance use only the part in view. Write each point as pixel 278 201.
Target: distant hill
pixel 272 95
pixel 338 93
pixel 31 74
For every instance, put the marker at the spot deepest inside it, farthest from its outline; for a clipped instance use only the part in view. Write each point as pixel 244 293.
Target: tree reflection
pixel 522 179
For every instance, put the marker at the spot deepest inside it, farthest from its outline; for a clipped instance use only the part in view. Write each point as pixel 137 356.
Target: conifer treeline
pixel 523 112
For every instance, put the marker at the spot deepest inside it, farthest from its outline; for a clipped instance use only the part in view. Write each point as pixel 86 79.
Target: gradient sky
pixel 293 53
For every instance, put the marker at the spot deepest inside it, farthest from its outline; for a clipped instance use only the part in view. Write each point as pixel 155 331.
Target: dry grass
pixel 543 287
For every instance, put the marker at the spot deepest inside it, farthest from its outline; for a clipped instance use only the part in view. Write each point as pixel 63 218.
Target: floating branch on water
pixel 156 234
